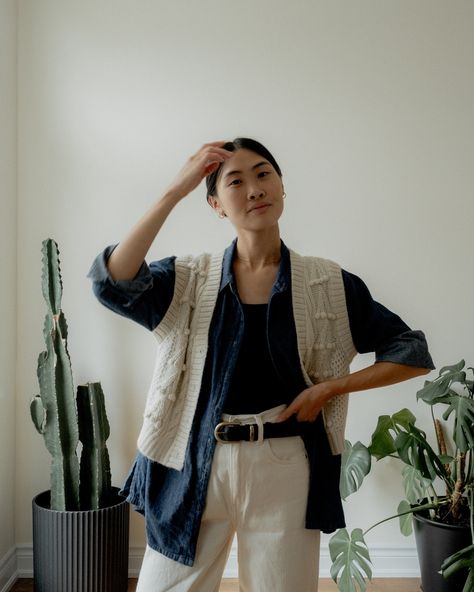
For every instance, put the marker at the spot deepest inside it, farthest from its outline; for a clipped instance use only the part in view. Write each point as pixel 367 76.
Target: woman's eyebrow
pixel 239 172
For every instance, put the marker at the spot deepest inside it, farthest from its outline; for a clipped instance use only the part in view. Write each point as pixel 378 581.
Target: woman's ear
pixel 215 205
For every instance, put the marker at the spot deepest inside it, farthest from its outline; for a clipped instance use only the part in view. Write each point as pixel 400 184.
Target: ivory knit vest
pixel 324 343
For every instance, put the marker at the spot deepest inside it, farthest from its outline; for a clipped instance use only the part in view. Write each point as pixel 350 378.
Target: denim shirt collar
pixel 283 276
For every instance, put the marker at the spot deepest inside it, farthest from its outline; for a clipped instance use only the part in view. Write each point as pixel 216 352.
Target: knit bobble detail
pixel 186 299
pixel 196 270
pixel 323 346
pixel 319 280
pixel 325 315
pixel 157 420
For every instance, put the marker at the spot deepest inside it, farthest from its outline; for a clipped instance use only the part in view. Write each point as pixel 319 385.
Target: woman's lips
pixel 260 207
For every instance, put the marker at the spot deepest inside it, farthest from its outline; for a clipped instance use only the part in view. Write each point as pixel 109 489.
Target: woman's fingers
pixel 211 167
pixel 212 157
pixel 292 408
pixel 213 148
pixel 307 405
pixel 206 160
pixel 211 151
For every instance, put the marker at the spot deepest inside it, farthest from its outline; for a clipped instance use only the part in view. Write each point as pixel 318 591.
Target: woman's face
pixel 249 191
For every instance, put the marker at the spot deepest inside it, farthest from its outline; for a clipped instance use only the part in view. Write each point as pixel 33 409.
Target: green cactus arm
pixel 46 381
pixel 94 429
pixel 38 413
pixel 67 422
pixel 51 283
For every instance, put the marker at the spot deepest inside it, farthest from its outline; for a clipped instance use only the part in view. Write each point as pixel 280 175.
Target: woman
pixel 244 421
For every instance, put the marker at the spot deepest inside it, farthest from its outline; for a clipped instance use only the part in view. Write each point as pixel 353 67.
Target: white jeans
pixel 257 490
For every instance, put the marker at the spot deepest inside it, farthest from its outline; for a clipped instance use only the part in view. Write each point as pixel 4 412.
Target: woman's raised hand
pixel 126 259
pixel 206 160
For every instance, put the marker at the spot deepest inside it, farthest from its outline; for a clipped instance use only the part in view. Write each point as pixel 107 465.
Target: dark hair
pixel 238 144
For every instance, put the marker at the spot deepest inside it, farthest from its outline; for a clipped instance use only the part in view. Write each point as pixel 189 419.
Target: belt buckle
pixel 219 426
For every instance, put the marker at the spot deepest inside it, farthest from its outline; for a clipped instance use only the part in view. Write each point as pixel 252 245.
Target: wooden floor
pixel 378 585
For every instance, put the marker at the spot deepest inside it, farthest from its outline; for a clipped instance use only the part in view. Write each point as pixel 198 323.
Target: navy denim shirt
pixel 173 501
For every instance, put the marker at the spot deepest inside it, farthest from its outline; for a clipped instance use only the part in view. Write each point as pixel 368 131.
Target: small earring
pixel 284 195
pixel 221 215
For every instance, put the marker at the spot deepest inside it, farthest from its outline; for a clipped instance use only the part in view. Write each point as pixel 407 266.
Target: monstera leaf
pixel 463 408
pixel 350 560
pixel 435 391
pixel 415 484
pixel 414 450
pixel 405 517
pixel 383 438
pixel 356 464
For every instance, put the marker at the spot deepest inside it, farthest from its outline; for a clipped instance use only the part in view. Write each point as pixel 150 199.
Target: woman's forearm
pixel 128 256
pixel 308 404
pixel 378 375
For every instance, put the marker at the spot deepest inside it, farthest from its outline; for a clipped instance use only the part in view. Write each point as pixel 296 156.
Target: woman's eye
pixel 235 182
pixel 263 173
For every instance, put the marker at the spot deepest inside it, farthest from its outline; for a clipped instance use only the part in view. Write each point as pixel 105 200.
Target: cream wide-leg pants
pixel 257 490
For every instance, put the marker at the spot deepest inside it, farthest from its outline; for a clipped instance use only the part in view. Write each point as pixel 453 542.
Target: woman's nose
pixel 254 193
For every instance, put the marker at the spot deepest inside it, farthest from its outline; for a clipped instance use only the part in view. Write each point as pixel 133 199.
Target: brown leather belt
pixel 231 431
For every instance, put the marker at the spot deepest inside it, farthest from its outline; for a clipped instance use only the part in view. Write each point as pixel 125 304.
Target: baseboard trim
pixel 8 570
pixel 24 561
pixel 388 562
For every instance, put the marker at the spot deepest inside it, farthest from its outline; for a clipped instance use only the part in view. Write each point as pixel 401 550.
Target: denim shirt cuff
pixel 409 348
pixel 102 279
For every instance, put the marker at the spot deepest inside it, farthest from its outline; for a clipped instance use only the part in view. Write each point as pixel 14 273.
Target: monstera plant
pixel 449 461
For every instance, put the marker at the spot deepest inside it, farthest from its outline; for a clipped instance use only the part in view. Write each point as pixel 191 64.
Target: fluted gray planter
pixel 80 551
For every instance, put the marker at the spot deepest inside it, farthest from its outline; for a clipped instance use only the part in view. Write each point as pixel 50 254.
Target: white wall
pixel 8 237
pixel 367 107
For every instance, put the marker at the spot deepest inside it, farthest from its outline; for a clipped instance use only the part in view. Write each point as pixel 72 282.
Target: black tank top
pixel 256 385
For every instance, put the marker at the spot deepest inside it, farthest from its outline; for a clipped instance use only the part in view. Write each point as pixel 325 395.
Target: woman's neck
pixel 257 251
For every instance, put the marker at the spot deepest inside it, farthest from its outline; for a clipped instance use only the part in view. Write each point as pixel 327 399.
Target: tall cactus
pixel 54 411
pixel 93 432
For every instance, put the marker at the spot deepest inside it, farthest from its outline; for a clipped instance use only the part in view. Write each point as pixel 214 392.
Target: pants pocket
pixel 286 451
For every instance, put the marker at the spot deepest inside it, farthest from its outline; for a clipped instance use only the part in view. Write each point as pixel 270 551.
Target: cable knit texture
pixel 324 336
pixel 324 343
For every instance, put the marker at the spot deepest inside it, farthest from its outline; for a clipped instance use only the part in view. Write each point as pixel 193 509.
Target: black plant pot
pixel 435 542
pixel 83 551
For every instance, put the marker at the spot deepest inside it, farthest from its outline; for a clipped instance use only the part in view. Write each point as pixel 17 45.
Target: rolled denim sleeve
pixel 375 328
pixel 144 299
